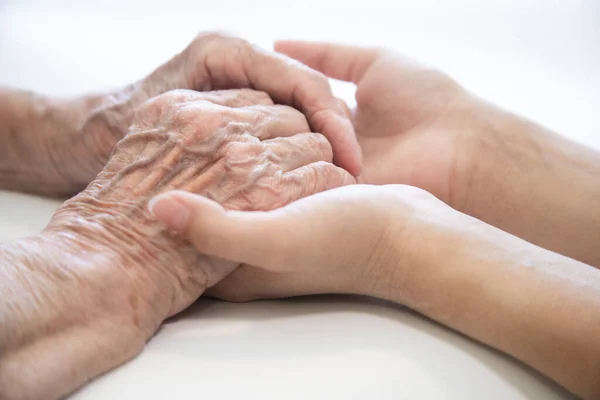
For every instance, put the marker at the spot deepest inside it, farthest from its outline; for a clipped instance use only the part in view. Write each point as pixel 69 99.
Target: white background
pixel 539 58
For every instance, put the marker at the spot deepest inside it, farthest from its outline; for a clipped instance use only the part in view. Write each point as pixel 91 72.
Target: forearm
pixel 537 185
pixel 538 306
pixel 56 331
pixel 54 146
pixel 28 123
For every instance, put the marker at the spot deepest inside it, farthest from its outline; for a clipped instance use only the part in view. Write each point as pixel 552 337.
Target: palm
pixel 403 125
pixel 405 117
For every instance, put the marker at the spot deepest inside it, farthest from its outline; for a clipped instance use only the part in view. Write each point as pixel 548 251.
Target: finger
pixel 287 82
pixel 266 238
pixel 156 108
pixel 238 98
pixel 229 98
pixel 347 110
pixel 295 151
pixel 274 121
pixel 237 286
pixel 313 178
pixel 249 283
pixel 242 284
pixel 241 236
pixel 347 63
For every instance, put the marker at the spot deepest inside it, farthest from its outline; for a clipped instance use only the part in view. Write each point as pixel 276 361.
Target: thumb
pixel 347 63
pixel 251 237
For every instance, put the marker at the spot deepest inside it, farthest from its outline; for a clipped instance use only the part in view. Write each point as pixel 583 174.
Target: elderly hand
pixel 107 274
pixel 232 147
pixel 57 147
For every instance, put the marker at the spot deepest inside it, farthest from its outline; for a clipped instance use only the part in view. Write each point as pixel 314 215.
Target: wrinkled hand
pixel 340 241
pixel 234 147
pixel 415 125
pixel 212 61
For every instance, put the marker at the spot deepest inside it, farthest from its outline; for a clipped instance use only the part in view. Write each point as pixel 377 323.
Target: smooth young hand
pixel 402 244
pixel 410 119
pixel 417 126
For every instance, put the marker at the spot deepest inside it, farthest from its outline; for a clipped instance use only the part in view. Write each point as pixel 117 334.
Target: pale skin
pixel 55 147
pixel 445 254
pixel 245 156
pixel 127 272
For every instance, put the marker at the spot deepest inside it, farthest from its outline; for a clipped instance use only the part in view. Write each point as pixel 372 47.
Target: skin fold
pixel 126 271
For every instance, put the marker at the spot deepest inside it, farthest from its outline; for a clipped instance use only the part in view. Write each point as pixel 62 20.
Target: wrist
pixel 502 159
pixel 535 184
pixel 473 278
pixel 56 146
pixel 25 116
pixel 61 311
pixel 407 247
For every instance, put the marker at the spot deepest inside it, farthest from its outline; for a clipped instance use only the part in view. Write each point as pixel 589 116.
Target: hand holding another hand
pixel 417 126
pixel 234 147
pixel 413 122
pixel 57 146
pixel 346 240
pixel 126 270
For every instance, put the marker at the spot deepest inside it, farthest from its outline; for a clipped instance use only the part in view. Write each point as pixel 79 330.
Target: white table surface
pixel 539 58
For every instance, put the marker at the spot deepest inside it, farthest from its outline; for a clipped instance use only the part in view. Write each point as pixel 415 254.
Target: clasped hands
pixel 235 173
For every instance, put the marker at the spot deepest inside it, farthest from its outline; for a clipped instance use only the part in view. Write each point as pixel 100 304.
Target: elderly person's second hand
pixel 92 288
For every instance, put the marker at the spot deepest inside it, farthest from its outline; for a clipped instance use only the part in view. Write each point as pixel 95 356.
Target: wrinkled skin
pixel 234 147
pixel 63 144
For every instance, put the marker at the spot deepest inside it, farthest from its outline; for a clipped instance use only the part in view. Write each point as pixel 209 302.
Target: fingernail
pixel 170 210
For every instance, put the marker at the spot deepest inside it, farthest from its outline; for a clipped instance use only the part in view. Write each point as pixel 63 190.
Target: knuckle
pixel 237 128
pixel 263 98
pixel 259 115
pixel 242 51
pixel 291 111
pixel 209 36
pixel 199 114
pixel 172 96
pixel 242 154
pixel 265 195
pixel 152 105
pixel 324 175
pixel 156 108
pixel 180 95
pixel 186 114
pixel 307 181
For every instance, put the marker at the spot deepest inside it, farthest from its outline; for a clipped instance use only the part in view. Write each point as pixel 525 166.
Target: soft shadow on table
pixel 295 342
